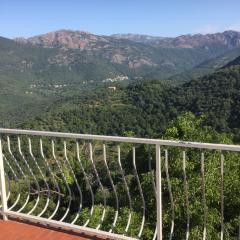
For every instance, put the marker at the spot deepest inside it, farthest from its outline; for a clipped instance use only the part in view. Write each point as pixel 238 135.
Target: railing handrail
pixel 162 142
pixel 86 154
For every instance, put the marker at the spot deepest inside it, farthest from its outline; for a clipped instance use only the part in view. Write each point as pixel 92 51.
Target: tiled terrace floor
pixel 11 230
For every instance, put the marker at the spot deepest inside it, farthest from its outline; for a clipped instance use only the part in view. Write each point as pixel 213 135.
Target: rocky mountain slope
pixel 208 67
pixel 132 55
pixel 228 38
pixel 139 38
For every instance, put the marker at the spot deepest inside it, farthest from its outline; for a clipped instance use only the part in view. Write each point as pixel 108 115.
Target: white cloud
pixel 235 27
pixel 208 29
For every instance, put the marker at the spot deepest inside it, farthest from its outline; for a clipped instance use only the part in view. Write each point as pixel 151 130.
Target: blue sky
pixel 154 17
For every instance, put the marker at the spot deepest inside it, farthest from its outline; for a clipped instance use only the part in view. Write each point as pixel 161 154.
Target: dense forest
pixel 186 126
pixel 147 108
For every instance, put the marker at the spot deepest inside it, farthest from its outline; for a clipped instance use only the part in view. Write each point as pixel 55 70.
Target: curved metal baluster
pixel 127 190
pixel 113 187
pixel 17 180
pixel 21 171
pixel 186 194
pixel 154 186
pixel 170 194
pixel 140 190
pixel 88 185
pixel 203 196
pixel 65 180
pixel 222 196
pixel 54 180
pixel 40 171
pixel 31 172
pixel 101 186
pixel 76 181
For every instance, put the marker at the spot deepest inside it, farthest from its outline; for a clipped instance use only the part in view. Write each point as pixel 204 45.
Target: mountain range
pixel 92 57
pixel 42 69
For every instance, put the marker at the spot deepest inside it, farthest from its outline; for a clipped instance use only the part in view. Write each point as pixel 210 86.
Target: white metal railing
pixel 110 187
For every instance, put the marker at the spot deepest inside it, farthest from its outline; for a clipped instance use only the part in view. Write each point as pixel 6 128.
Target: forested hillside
pixel 207 67
pixel 146 109
pixel 235 62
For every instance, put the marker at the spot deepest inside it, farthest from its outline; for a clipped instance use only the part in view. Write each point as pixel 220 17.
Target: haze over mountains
pixel 79 39
pixel 40 69
pixel 131 55
pixel 83 56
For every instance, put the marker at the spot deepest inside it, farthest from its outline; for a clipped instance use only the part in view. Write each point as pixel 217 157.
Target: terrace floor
pixel 12 230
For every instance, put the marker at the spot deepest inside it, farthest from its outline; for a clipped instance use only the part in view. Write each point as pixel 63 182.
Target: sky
pixel 166 18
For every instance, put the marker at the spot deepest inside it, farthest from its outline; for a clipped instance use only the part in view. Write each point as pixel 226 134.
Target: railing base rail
pixel 65 226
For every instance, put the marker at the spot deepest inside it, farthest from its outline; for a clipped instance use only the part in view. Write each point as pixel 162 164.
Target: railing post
pixel 2 184
pixel 159 192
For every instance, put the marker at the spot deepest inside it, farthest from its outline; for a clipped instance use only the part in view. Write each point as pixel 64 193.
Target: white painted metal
pixel 222 196
pixel 48 195
pixel 226 147
pixel 17 180
pixel 31 172
pixel 186 195
pixel 8 185
pixel 204 196
pixel 22 173
pixel 141 192
pixel 100 185
pixel 153 184
pixel 170 195
pixel 159 192
pixel 41 173
pixel 113 187
pixel 88 185
pixel 127 190
pixel 75 180
pixel 65 181
pixel 3 185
